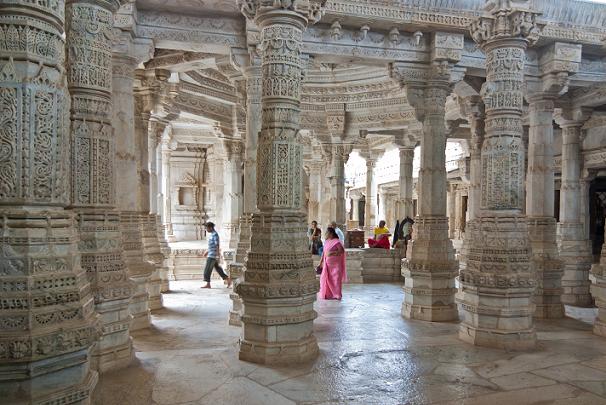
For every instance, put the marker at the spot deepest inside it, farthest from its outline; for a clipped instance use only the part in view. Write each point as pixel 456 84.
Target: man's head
pixel 314 223
pixel 210 226
pixel 333 224
pixel 381 224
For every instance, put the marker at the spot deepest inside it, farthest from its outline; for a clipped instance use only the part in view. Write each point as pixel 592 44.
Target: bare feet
pixel 207 285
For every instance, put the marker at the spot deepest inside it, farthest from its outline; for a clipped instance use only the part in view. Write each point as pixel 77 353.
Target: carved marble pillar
pixel 232 192
pixel 159 252
pixel 540 193
pixel 253 126
pixel 383 206
pixel 127 186
pixel 404 204
pixel 48 323
pixel 340 155
pixel 355 207
pixel 166 192
pixel 93 174
pixel 279 286
pixel 315 191
pixel 473 108
pixel 370 208
pixel 451 209
pixel 149 231
pixel 498 284
pixel 573 243
pixel 430 267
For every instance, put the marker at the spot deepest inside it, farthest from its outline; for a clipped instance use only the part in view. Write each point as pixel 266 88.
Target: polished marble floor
pixel 369 355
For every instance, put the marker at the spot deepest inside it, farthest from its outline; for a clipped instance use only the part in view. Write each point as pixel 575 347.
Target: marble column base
pixel 280 354
pixel 231 231
pixel 165 250
pixel 278 290
pixel 244 239
pixel 139 304
pixel 114 350
pixel 496 293
pixel 153 254
pixel 598 290
pixel 577 259
pixel 101 257
pixel 70 381
pixel 235 272
pixel 548 267
pixel 429 271
pixel 139 269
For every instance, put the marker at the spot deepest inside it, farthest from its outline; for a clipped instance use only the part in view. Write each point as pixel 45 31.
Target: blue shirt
pixel 213 245
pixel 340 235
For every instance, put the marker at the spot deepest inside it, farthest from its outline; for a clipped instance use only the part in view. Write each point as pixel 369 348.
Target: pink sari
pixel 333 271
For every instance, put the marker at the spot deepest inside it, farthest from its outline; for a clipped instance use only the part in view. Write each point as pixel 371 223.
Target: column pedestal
pixel 497 308
pixel 429 271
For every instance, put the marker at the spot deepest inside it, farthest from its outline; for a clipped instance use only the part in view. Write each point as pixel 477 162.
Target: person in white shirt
pixel 339 232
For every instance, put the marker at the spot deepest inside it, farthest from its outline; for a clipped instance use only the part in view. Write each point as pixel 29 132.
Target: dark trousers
pixel 211 263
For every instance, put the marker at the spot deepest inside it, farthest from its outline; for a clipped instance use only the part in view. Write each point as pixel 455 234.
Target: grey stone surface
pixel 369 354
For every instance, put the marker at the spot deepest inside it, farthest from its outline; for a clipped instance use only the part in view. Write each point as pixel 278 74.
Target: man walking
pixel 212 256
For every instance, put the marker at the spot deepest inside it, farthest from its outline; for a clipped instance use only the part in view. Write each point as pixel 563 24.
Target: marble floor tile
pixel 369 355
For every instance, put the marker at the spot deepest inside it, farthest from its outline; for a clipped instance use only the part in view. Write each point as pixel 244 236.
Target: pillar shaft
pixel 127 187
pixel 93 174
pixel 497 285
pixel 337 185
pixel 540 192
pixel 232 192
pixel 48 316
pixel 406 183
pixel 279 286
pixel 370 208
pixel 573 243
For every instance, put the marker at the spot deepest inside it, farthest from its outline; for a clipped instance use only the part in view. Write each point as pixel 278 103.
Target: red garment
pixel 382 243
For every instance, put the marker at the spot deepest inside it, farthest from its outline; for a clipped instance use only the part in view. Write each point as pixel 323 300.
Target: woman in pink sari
pixel 333 267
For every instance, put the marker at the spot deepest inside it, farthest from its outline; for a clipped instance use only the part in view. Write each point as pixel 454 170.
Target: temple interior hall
pixel 475 129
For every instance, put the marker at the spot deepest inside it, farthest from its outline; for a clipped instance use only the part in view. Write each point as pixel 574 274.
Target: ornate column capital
pixel 572 116
pixel 506 20
pixel 309 10
pixel 233 148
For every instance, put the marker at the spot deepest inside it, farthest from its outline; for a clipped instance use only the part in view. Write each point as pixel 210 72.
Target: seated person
pixel 381 242
pixel 381 230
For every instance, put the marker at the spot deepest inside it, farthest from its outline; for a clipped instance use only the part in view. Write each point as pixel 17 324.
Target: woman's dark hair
pixel 331 231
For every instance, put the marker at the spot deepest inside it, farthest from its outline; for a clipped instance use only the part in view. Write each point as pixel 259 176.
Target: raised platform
pixel 373 265
pixel 186 261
